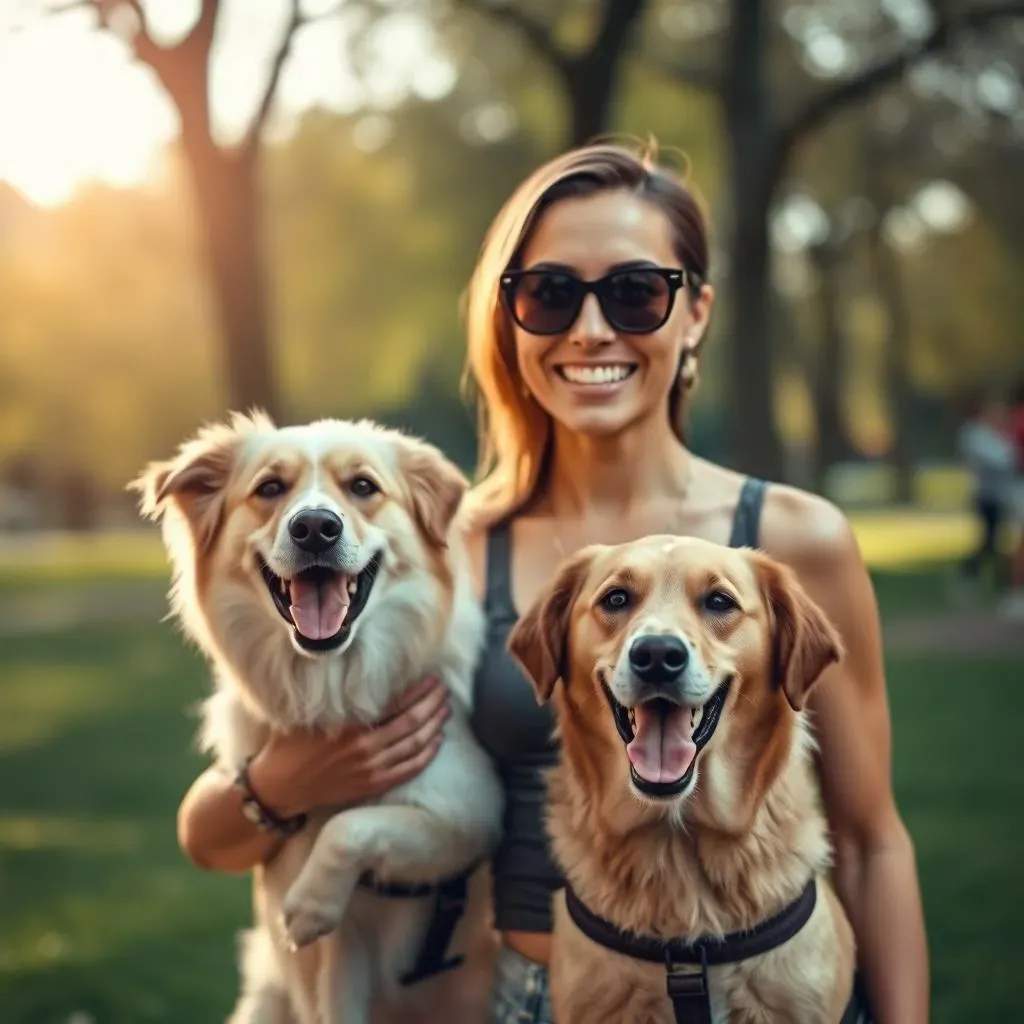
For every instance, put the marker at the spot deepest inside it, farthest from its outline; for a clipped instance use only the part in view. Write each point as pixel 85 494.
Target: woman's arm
pixel 298 771
pixel 213 832
pixel 876 873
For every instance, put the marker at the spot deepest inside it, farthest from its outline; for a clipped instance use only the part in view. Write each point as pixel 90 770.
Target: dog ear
pixel 436 486
pixel 195 480
pixel 539 640
pixel 804 641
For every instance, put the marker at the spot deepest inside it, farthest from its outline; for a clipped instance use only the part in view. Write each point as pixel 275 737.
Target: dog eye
pixel 615 600
pixel 363 487
pixel 272 488
pixel 719 601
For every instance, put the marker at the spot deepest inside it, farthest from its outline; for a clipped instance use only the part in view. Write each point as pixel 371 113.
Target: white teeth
pixel 353 585
pixel 605 374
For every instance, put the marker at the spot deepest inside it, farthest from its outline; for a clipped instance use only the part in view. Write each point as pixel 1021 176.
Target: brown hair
pixel 514 431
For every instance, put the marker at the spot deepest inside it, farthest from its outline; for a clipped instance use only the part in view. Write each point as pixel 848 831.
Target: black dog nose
pixel 315 529
pixel 658 659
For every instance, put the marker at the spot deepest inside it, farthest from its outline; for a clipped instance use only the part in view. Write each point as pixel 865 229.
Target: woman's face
pixel 591 377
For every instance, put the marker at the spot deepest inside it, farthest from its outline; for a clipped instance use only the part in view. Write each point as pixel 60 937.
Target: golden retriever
pixel 684 805
pixel 319 569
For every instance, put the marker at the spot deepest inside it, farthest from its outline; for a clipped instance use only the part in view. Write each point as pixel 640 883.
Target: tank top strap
pixel 498 592
pixel 746 523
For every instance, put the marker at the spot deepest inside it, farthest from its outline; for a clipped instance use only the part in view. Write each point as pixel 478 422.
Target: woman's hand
pixel 299 771
pixel 303 770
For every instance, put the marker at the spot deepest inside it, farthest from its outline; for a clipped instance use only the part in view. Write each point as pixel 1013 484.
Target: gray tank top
pixel 518 733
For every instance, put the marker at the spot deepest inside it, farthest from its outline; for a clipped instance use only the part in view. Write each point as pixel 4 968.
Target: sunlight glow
pixel 75 108
pixel 99 118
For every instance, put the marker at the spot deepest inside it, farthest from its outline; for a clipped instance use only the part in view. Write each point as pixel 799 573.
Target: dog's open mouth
pixel 663 739
pixel 321 604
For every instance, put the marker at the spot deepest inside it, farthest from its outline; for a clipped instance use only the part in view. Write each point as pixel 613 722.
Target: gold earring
pixel 688 370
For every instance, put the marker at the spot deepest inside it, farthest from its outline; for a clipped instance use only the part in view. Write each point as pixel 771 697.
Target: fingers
pixel 410 746
pixel 427 686
pixel 406 723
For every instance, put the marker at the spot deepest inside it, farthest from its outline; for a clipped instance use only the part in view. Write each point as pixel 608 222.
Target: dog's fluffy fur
pixel 323 949
pixel 741 838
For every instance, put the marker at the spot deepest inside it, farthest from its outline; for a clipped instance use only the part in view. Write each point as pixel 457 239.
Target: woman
pixel 585 317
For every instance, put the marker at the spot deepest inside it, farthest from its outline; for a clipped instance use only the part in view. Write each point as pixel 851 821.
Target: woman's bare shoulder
pixel 806 530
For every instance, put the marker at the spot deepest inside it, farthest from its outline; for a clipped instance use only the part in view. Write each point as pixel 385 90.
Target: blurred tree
pixel 225 180
pixel 588 73
pixel 739 50
pixel 373 222
pixel 763 136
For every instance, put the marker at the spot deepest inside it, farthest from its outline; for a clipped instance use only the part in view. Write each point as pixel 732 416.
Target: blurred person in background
pixel 986 449
pixel 585 317
pixel 1012 606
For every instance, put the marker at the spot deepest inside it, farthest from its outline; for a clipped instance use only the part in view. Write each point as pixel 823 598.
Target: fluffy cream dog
pixel 319 569
pixel 685 807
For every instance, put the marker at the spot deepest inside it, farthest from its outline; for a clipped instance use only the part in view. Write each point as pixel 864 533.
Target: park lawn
pixel 100 913
pixel 888 538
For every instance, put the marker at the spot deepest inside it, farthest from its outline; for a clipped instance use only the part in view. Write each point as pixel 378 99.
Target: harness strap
pixel 450 898
pixel 686 962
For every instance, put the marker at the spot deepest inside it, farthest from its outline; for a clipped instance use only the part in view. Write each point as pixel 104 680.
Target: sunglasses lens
pixel 636 301
pixel 546 302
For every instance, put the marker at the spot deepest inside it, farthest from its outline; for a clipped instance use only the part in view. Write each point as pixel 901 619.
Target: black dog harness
pixel 686 963
pixel 450 897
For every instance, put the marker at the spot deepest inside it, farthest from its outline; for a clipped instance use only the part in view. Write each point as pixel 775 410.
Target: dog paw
pixel 305 922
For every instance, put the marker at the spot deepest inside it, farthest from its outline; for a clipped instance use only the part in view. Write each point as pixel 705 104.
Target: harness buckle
pixel 687 986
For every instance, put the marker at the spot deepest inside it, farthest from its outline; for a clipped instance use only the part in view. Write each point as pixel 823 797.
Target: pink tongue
pixel 319 607
pixel 662 749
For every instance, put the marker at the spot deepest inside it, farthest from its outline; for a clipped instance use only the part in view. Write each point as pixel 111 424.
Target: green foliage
pixel 107 343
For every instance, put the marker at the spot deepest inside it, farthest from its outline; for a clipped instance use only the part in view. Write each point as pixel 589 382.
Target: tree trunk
pixel 226 189
pixel 897 362
pixel 833 443
pixel 749 365
pixel 592 80
pixel 590 100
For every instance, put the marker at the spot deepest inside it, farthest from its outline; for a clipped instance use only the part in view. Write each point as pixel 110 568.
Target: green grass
pixel 99 911
pixel 960 783
pixel 887 537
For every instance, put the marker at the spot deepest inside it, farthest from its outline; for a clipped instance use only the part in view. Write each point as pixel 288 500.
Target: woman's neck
pixel 611 475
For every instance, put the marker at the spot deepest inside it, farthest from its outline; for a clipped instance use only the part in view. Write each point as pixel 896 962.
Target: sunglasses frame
pixel 675 278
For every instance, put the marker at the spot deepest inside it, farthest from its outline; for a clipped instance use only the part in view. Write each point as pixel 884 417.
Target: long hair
pixel 514 433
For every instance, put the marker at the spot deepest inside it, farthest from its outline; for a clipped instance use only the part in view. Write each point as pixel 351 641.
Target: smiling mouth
pixel 663 739
pixel 599 375
pixel 321 604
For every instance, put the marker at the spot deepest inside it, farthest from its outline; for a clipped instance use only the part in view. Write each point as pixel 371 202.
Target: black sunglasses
pixel 634 300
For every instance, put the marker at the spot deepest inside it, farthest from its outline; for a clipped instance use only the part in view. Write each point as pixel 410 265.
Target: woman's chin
pixel 603 422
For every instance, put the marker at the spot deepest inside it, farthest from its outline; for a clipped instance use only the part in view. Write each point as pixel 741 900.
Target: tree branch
pixel 296 22
pixel 619 18
pixel 879 74
pixel 143 44
pixel 540 38
pixel 255 130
